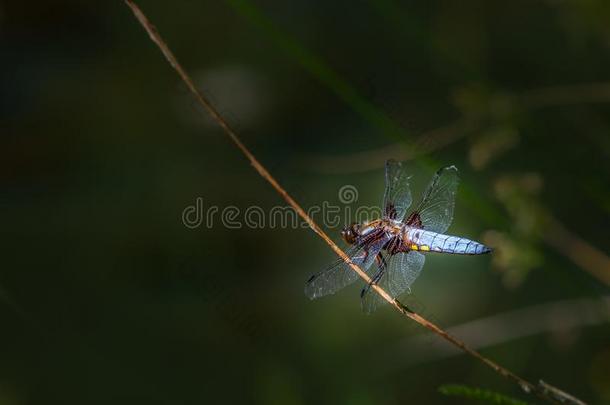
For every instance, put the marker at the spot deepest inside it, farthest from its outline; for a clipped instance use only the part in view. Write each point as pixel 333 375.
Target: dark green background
pixel 108 298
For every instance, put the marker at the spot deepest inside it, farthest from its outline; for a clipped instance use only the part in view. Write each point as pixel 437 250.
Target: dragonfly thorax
pixel 357 233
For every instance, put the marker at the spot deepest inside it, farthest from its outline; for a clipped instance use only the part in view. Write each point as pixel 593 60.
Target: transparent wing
pixel 401 271
pixel 397 196
pixel 370 300
pixel 435 211
pixel 340 274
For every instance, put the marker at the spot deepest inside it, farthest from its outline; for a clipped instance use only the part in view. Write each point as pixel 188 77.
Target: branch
pixel 525 385
pixel 495 330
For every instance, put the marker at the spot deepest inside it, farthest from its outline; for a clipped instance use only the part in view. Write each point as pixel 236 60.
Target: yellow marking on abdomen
pixel 414 247
pixel 425 248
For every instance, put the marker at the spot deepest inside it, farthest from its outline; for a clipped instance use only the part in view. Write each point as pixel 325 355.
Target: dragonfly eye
pixel 350 233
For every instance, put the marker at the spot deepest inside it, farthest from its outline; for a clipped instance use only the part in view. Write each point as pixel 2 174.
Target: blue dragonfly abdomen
pixel 428 241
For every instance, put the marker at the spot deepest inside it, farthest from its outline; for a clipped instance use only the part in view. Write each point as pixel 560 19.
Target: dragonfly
pixel 391 249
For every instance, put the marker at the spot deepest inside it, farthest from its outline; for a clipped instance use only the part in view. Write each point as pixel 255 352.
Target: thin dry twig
pixel 205 103
pixel 554 318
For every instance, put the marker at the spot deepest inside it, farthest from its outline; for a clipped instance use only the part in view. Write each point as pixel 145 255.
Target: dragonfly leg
pixel 381 265
pixel 381 262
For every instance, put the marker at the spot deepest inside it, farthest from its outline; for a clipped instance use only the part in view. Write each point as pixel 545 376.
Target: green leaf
pixel 464 391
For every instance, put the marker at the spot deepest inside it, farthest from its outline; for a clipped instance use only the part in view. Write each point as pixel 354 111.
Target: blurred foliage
pixel 518 251
pixel 482 395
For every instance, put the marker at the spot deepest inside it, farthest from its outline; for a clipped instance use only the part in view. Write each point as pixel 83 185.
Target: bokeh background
pixel 107 297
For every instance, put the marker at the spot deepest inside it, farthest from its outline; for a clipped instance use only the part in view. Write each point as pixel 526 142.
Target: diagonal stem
pixel 262 171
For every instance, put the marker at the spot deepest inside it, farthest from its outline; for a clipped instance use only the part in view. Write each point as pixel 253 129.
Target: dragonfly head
pixel 350 233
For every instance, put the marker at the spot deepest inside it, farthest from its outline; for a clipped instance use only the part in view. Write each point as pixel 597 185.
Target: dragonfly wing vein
pixel 340 274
